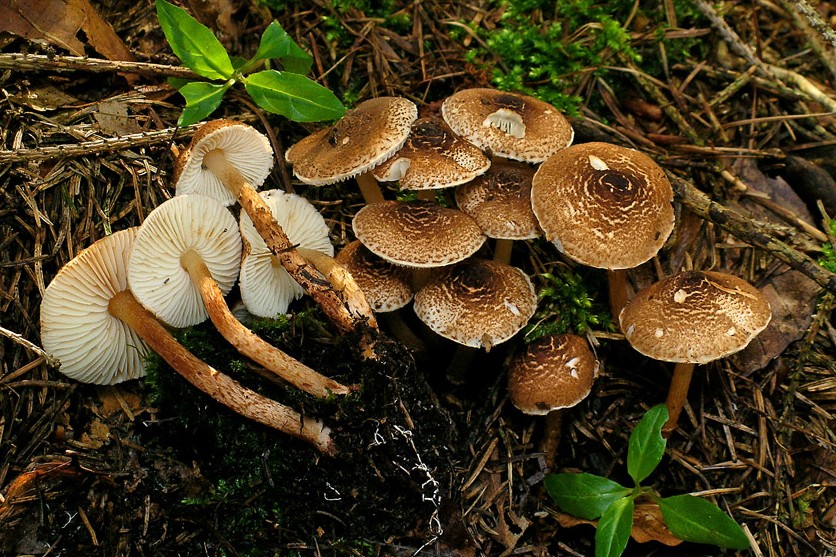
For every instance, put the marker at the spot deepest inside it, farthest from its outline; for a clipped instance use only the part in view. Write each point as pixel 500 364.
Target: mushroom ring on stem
pixel 185 259
pixel 693 317
pixel 216 164
pixel 93 324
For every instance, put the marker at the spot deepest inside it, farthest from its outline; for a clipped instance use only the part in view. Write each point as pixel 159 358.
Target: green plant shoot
pixel 592 497
pixel 287 92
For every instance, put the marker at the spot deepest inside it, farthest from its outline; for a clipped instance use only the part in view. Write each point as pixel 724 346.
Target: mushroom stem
pixel 247 342
pixel 617 283
pixel 369 188
pixel 551 436
pixel 677 393
pixel 341 280
pixel 219 386
pixel 341 312
pixel 426 195
pixel 502 250
pixel 393 320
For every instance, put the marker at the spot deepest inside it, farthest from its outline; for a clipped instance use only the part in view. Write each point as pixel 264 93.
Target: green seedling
pixel 593 497
pixel 828 257
pixel 287 92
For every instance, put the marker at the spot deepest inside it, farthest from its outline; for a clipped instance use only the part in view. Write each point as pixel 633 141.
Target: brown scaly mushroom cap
pixel 477 302
pixel 243 146
pixel 552 373
pixel 508 125
pixel 387 286
pixel 76 327
pixel 603 205
pixel 417 234
pixel 500 201
pixel 433 157
pixel 363 138
pixel 695 317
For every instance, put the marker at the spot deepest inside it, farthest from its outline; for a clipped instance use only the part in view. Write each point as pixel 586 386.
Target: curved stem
pixel 369 188
pixel 551 436
pixel 219 386
pixel 338 310
pixel 247 342
pixel 677 393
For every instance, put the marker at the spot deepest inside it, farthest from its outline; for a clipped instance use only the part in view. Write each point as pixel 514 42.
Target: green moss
pixel 828 257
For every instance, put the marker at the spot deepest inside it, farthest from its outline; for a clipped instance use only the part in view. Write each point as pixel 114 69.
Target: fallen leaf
pixel 58 22
pixel 648 524
pixel 44 98
pixel 112 117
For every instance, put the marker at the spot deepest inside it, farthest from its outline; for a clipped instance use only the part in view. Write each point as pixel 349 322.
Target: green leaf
pixel 614 529
pixel 584 495
pixel 693 519
pixel 294 96
pixel 201 100
pixel 276 43
pixel 195 45
pixel 647 446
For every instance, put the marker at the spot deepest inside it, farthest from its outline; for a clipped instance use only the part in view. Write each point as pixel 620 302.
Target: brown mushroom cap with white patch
pixel 387 286
pixel 417 234
pixel 243 147
pixel 695 317
pixel 500 201
pixel 477 302
pixel 433 157
pixel 508 125
pixel 603 205
pixel 364 137
pixel 552 373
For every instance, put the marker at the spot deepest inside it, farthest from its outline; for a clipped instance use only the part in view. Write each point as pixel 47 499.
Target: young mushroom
pixel 227 161
pixel 363 138
pixel 605 206
pixel 185 258
pixel 552 374
pixel 693 317
pixel 92 323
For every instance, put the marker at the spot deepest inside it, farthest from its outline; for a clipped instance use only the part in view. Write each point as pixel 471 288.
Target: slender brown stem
pixel 369 188
pixel 677 393
pixel 617 282
pixel 551 436
pixel 341 312
pixel 219 386
pixel 393 320
pixel 250 344
pixel 426 195
pixel 502 250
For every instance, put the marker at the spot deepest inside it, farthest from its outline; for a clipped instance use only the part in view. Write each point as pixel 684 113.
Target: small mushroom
pixel 185 258
pixel 552 374
pixel 605 206
pixel 500 202
pixel 433 157
pixel 508 125
pixel 363 138
pixel 476 302
pixel 93 324
pixel 693 317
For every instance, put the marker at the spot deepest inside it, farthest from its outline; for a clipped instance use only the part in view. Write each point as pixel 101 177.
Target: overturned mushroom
pixel 693 317
pixel 93 324
pixel 185 258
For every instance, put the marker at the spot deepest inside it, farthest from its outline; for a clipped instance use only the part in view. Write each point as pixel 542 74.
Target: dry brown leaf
pixel 648 524
pixel 112 117
pixel 44 98
pixel 58 22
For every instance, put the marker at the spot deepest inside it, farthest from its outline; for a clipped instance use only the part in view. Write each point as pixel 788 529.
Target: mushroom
pixel 227 160
pixel 552 374
pixel 605 206
pixel 363 138
pixel 92 323
pixel 693 317
pixel 418 234
pixel 500 202
pixel 185 258
pixel 266 287
pixel 433 157
pixel 476 302
pixel 507 125
pixel 387 287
